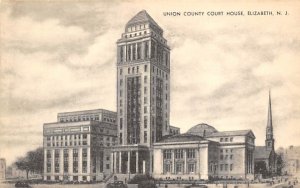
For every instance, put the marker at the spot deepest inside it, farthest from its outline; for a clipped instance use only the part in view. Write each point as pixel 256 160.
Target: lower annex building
pixel 204 153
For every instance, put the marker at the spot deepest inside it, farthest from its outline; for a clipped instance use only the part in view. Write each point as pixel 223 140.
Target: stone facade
pixel 78 146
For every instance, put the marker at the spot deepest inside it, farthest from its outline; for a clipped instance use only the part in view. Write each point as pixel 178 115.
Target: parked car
pixel 116 184
pixel 196 186
pixel 22 184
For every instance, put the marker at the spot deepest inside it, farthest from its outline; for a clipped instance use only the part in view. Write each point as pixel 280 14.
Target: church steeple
pixel 269 129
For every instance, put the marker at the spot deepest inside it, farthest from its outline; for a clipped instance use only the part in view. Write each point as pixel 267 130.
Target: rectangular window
pixel 226 167
pixel 167 168
pixel 221 157
pixel 145 136
pixel 191 167
pixel 145 79
pixel 178 153
pixel 139 50
pixel 190 153
pixel 145 68
pixel 128 52
pixel 221 167
pixel 231 167
pixel 107 166
pixel 179 168
pixel 146 52
pixel 134 51
pixel 121 138
pixel 167 154
pixel 231 139
pixel 145 100
pixel 145 121
pixel 121 123
pixel 145 109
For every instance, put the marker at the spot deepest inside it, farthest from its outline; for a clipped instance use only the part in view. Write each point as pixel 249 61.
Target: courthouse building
pixel 77 146
pixel 139 137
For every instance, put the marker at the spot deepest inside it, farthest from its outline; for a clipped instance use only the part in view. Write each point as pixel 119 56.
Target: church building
pixel 265 156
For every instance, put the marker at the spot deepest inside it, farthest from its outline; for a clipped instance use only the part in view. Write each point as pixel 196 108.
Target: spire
pixel 269 124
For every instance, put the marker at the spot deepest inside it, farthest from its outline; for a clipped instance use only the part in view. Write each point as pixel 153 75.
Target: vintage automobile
pixel 196 186
pixel 22 184
pixel 116 184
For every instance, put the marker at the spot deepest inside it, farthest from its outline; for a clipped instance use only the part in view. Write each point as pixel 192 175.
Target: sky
pixel 59 56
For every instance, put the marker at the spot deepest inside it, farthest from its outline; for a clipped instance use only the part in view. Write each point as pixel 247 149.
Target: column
pixel 112 162
pixel 173 162
pixel 120 162
pixel 80 163
pixel 52 162
pixel 184 156
pixel 70 163
pixel 89 160
pixel 131 51
pixel 136 162
pixel 61 163
pixel 128 163
pixel 45 163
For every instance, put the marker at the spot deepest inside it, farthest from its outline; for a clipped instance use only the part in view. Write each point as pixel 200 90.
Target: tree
pixel 32 162
pixel 260 167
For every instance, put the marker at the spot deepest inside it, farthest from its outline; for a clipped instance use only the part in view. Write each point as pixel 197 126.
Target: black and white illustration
pixel 149 94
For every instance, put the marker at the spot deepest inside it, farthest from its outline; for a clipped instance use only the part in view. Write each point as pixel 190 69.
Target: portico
pixel 131 159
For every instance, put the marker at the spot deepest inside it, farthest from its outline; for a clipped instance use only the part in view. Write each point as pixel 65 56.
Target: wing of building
pixel 204 153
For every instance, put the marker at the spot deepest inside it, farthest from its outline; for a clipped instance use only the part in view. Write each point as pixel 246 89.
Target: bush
pixel 147 184
pixel 140 178
pixel 143 181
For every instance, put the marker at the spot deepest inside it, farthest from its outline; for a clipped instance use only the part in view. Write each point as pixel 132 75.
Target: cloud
pixel 25 32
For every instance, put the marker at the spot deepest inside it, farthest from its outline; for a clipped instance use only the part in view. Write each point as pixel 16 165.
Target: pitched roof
pixel 142 17
pixel 182 138
pixel 261 152
pixel 232 133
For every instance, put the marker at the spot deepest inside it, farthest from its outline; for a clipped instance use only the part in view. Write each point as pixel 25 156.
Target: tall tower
pixel 143 82
pixel 269 130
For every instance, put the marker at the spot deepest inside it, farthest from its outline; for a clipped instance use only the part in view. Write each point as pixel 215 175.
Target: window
pixel 221 139
pixel 145 121
pixel 145 109
pixel 178 154
pixel 221 167
pixel 231 156
pixel 145 100
pixel 191 167
pixel 121 71
pixel 121 123
pixel 145 79
pixel 145 68
pixel 145 137
pixel 121 93
pixel 226 139
pixel 221 157
pixel 231 139
pixel 167 168
pixel 190 153
pixel 167 154
pixel 121 82
pixel 121 138
pixel 226 167
pixel 179 167
pixel 231 167
pixel 146 51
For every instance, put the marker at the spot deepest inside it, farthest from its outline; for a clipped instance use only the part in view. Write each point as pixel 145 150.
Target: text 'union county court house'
pixel 138 139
